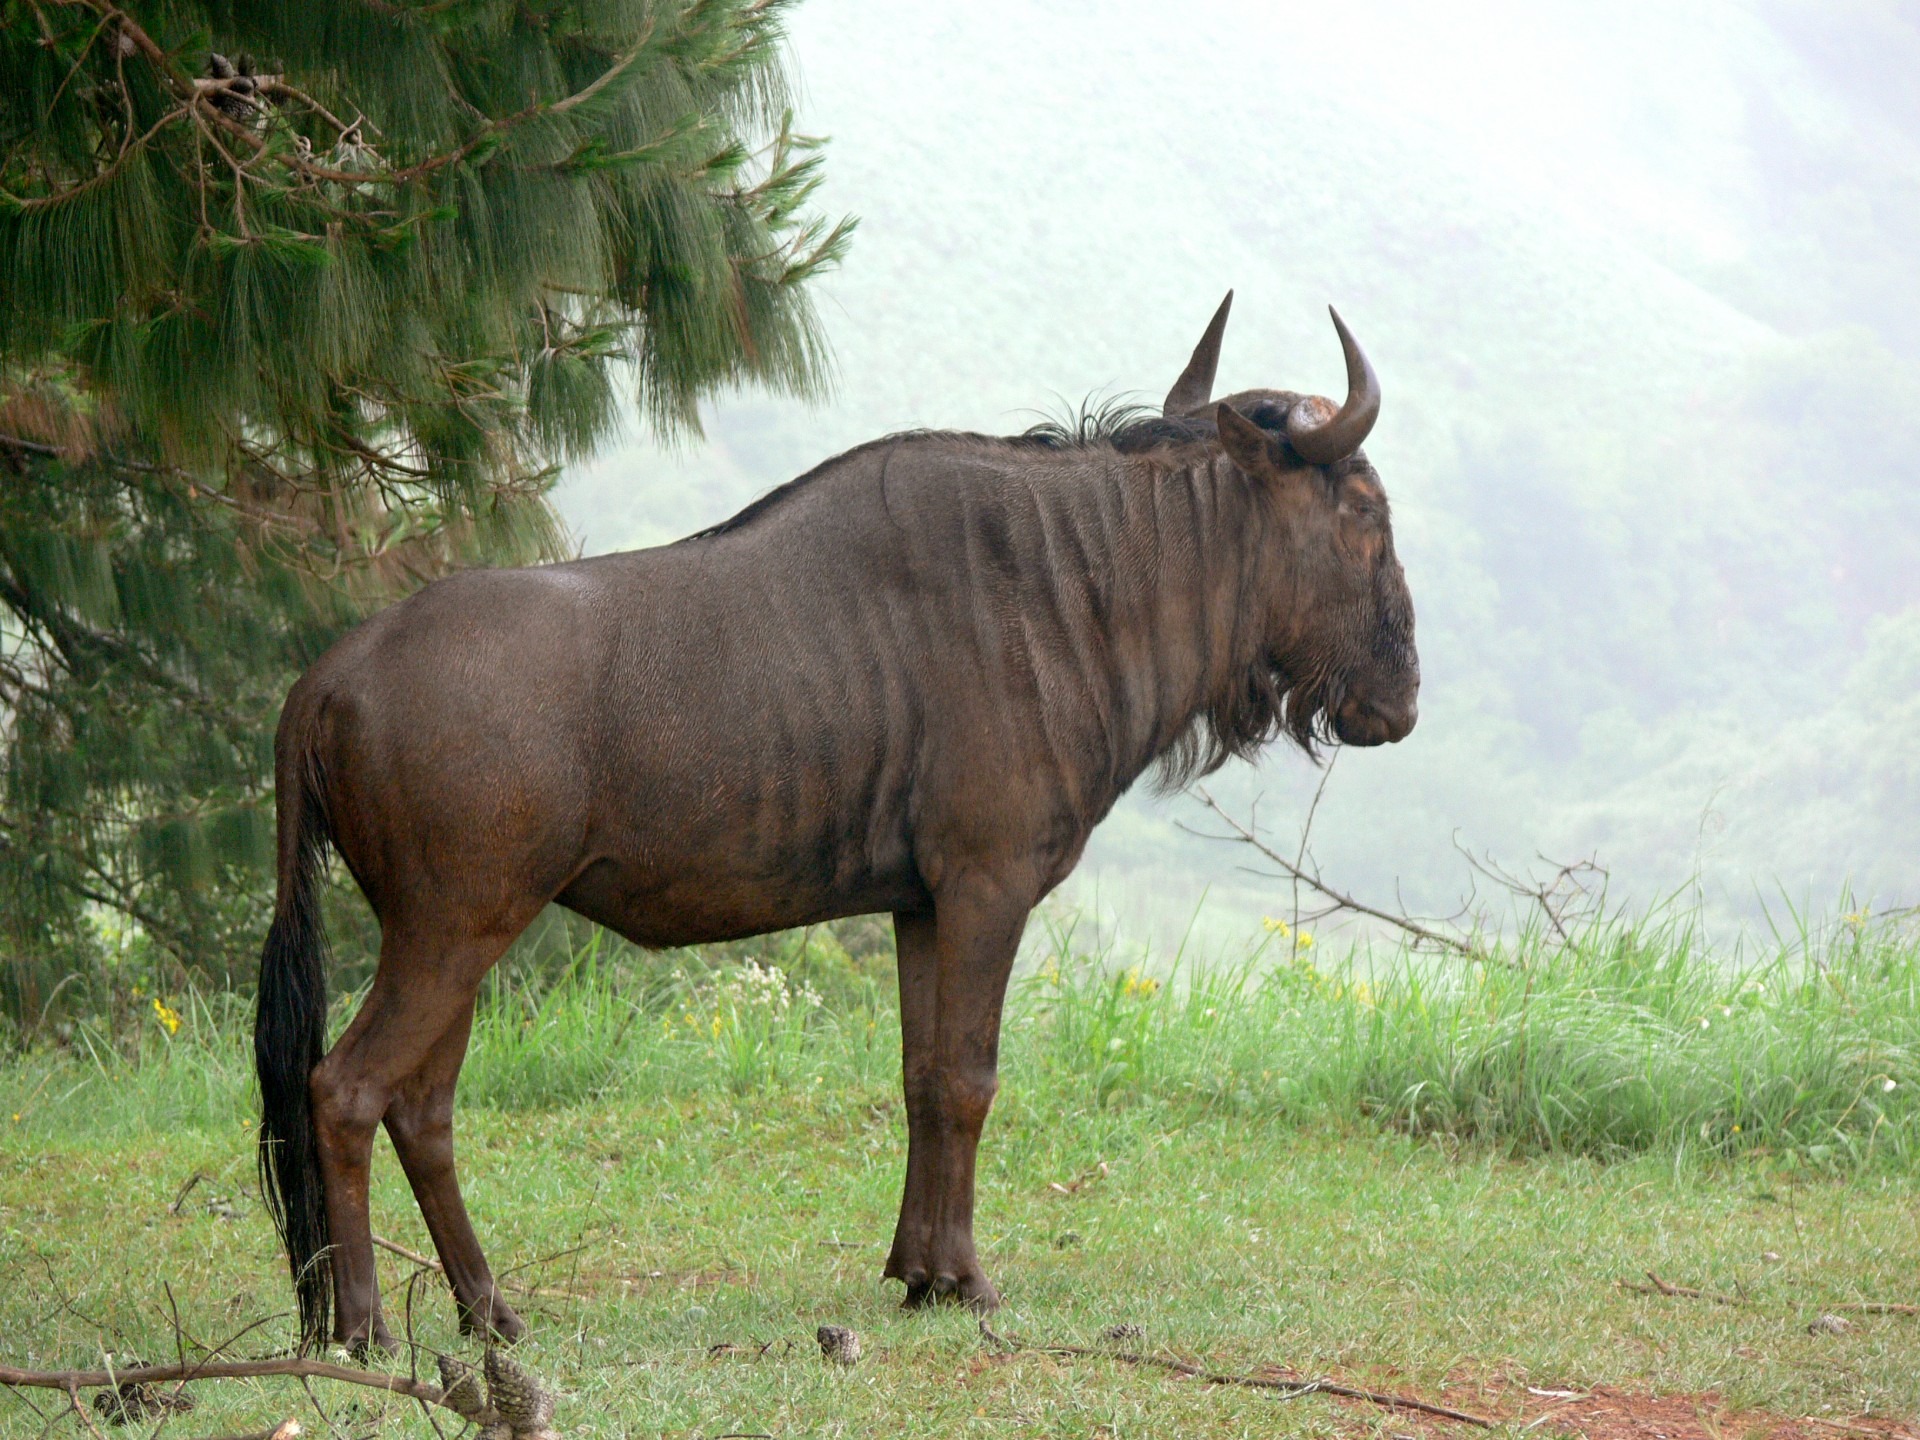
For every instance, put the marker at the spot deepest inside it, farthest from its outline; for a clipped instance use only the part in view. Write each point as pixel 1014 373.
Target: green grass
pixel 1425 1175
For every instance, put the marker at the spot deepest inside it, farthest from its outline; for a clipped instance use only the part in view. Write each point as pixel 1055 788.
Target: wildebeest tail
pixel 290 1031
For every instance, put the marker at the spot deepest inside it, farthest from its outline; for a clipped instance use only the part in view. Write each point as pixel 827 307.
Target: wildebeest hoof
pixel 495 1323
pixel 972 1290
pixel 368 1348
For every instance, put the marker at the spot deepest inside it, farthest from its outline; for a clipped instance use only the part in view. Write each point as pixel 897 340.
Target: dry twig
pixel 1689 1292
pixel 1683 1292
pixel 1576 892
pixel 1338 899
pixel 507 1280
pixel 1850 1429
pixel 1284 1389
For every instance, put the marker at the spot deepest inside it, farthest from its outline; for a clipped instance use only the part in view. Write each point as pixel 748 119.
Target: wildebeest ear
pixel 1195 385
pixel 1246 444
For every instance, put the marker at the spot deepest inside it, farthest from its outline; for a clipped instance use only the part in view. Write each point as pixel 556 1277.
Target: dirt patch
pixel 1604 1413
pixel 1601 1412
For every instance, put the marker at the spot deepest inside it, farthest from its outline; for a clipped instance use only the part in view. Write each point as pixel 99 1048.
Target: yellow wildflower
pixel 1138 984
pixel 1305 941
pixel 1277 927
pixel 167 1015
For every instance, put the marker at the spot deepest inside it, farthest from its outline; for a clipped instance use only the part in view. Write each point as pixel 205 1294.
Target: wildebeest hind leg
pixel 426 981
pixel 420 1122
pixel 951 992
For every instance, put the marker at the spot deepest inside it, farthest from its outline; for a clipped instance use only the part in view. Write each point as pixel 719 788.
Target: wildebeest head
pixel 1337 618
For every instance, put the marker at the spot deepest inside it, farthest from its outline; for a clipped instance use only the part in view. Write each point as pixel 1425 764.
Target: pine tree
pixel 301 305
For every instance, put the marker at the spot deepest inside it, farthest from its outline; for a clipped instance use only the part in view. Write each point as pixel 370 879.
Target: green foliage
pixel 1629 1040
pixel 285 335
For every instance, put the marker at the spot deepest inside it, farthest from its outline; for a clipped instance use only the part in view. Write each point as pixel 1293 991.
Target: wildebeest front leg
pixel 953 981
pixel 913 940
pixel 420 1121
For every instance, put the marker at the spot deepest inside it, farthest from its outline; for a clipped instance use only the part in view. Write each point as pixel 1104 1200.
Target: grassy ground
pixel 1429 1183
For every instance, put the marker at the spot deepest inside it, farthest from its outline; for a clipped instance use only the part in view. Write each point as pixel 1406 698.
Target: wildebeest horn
pixel 1195 385
pixel 1320 439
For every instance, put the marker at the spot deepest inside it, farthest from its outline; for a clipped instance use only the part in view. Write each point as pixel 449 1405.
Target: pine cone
pixel 523 1402
pixel 1123 1334
pixel 462 1387
pixel 235 101
pixel 838 1344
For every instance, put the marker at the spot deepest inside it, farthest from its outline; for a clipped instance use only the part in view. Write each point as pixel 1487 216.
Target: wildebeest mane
pixel 1126 425
pixel 1123 424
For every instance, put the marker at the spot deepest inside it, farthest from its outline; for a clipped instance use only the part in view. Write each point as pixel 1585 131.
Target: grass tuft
pixel 1626 1040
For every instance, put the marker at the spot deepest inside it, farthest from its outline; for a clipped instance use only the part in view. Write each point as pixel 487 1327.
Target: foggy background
pixel 1639 280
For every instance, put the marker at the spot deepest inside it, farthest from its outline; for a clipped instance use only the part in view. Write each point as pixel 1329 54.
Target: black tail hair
pixel 289 1037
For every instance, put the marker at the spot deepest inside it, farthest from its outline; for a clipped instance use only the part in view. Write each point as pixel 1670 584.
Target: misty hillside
pixel 1639 282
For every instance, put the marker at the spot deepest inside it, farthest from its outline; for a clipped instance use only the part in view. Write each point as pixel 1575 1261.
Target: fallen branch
pixel 1285 1389
pixel 1684 1292
pixel 1689 1292
pixel 1875 1307
pixel 1851 1429
pixel 73 1381
pixel 404 1253
pixel 73 1399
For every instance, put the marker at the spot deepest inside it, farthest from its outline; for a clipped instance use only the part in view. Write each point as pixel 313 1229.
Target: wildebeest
pixel 912 680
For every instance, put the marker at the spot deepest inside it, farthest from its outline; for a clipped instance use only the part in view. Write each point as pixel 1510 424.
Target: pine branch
pixel 275 377
pixel 115 897
pixel 78 643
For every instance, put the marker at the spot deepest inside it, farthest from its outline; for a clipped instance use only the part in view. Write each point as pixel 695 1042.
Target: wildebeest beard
pixel 1270 701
